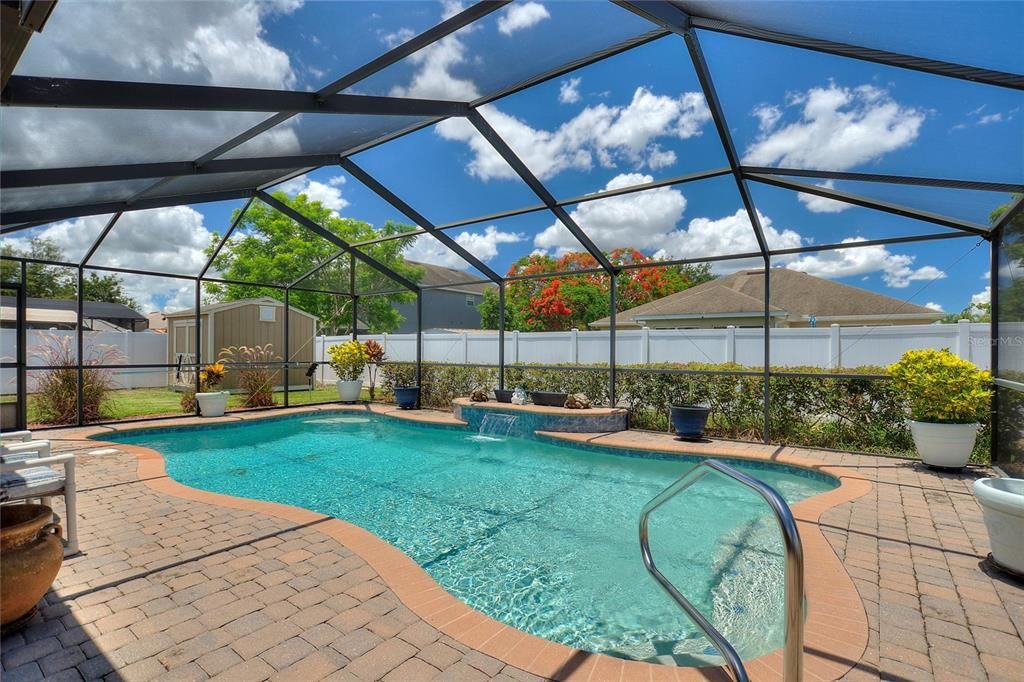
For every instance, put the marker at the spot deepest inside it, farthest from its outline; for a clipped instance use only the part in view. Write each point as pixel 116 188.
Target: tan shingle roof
pixel 794 293
pixel 459 280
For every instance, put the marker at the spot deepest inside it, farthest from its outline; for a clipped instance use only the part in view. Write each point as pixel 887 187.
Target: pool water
pixel 539 535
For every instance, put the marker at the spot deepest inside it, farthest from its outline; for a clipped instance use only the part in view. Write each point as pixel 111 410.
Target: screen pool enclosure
pixel 364 110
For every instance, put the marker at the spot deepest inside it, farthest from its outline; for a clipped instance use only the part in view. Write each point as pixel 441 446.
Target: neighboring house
pixel 797 300
pixel 157 322
pixel 246 322
pixel 98 316
pixel 452 306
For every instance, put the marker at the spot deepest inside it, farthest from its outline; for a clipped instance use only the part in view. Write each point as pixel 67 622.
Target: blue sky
pixel 626 120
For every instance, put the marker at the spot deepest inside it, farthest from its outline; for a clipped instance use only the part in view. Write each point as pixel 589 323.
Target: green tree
pixel 269 247
pixel 60 282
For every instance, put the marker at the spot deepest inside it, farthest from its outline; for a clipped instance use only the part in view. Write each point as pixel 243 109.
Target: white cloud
pixel 483 245
pixel 816 204
pixel 395 38
pixel 728 234
pixel 607 135
pixel 569 91
pixel 328 194
pixel 838 128
pixel 520 15
pixel 649 221
pixel 896 269
pixel 933 306
pixel 169 240
pixel 432 78
pixel 982 297
pixel 215 43
pixel 990 118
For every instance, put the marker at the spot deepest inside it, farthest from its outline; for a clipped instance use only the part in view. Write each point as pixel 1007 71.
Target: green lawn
pixel 151 402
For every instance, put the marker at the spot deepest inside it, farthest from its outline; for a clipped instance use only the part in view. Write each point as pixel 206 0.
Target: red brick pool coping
pixel 836 631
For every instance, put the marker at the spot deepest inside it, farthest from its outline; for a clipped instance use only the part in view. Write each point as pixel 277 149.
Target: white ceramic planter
pixel 348 391
pixel 212 404
pixel 1002 501
pixel 944 445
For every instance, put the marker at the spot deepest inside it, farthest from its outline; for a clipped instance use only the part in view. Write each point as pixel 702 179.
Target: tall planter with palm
pixel 948 398
pixel 348 360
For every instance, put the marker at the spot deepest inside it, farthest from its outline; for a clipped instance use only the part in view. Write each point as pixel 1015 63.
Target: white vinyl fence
pixel 826 347
pixel 122 348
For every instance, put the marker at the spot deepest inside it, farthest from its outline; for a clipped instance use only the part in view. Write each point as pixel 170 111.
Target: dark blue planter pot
pixel 689 421
pixel 549 398
pixel 406 396
pixel 503 395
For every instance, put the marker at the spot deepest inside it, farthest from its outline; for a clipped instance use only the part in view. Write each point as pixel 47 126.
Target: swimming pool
pixel 536 534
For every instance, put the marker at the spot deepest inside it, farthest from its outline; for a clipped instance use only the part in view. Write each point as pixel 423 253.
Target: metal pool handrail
pixel 794 637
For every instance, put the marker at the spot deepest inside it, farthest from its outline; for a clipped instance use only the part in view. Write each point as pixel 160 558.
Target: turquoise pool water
pixel 539 535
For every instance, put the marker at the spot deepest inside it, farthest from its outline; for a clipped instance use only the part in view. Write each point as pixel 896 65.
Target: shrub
pixel 347 360
pixel 941 387
pixel 842 412
pixel 56 397
pixel 255 373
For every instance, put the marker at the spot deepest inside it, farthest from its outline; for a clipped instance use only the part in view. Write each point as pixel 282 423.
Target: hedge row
pixel 846 413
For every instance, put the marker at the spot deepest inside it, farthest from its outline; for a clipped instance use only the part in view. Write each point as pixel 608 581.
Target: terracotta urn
pixel 31 553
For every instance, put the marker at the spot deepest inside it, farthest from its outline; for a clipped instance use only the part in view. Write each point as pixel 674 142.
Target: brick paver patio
pixel 171 588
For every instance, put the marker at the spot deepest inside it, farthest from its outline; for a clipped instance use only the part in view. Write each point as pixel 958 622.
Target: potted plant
pixel 548 398
pixel 407 396
pixel 948 396
pixel 348 361
pixel 33 553
pixel 212 403
pixel 1002 504
pixel 689 417
pixel 374 353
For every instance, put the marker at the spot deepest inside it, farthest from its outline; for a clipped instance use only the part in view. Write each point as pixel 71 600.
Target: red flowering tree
pixel 567 300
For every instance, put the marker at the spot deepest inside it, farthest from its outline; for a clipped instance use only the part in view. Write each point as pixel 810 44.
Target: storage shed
pixel 246 322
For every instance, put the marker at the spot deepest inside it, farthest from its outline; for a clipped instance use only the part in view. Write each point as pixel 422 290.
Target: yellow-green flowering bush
pixel 347 360
pixel 941 388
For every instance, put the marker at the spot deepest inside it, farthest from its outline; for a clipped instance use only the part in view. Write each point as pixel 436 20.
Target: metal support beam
pixel 814 248
pixel 1009 214
pixel 316 268
pixel 13 221
pixel 80 341
pixel 501 335
pixel 413 215
pixel 43 177
pixel 766 397
pixel 353 296
pixel 993 312
pixel 614 304
pixel 198 341
pixel 75 93
pixel 718 116
pixel 948 183
pixel 224 240
pixel 336 240
pixel 419 346
pixel 491 135
pixel 895 59
pixel 885 206
pixel 99 239
pixel 287 347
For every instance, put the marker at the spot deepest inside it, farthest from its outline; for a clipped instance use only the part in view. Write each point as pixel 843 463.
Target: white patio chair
pixel 16 436
pixel 26 474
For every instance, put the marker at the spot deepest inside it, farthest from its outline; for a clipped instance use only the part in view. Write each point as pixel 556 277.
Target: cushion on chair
pixel 31 482
pixel 8 456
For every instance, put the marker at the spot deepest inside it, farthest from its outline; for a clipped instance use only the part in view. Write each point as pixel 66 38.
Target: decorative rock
pixel 577 401
pixel 478 395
